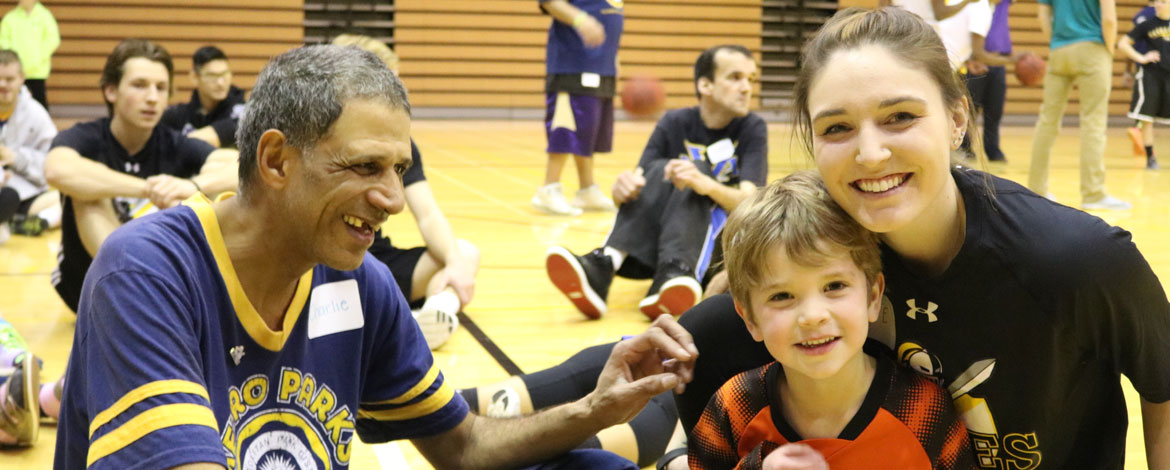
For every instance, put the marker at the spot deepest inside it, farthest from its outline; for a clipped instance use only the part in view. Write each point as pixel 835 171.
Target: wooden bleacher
pixel 479 53
pixel 248 31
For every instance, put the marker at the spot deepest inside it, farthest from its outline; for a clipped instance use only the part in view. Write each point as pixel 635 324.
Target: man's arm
pixel 206 134
pixel 589 28
pixel 26 157
pixel 440 240
pixel 943 11
pixel 1125 45
pixel 634 373
pixel 95 221
pixel 85 180
pixel 684 174
pixel 52 37
pixel 219 173
pixel 1109 24
pixel 990 58
pixel 1156 427
pixel 137 327
pixel 1044 14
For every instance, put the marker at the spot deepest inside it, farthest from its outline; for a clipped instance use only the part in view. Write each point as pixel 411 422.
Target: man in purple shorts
pixel 699 164
pixel 581 64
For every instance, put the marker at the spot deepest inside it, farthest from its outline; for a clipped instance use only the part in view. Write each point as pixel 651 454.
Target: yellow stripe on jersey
pixel 429 405
pixel 151 420
pixel 246 313
pixel 153 389
pixel 414 391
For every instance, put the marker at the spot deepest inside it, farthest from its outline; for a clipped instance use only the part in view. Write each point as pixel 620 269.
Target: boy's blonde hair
pixel 372 45
pixel 798 214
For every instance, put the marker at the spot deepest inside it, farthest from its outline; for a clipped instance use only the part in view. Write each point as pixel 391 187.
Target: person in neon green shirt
pixel 31 31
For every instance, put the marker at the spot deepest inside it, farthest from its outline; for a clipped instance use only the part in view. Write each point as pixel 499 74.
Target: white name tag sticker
pixel 720 151
pixel 590 80
pixel 335 307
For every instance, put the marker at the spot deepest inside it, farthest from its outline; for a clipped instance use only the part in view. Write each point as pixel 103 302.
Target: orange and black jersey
pixel 906 422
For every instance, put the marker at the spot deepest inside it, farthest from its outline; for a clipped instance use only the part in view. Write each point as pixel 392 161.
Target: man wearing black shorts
pixel 699 164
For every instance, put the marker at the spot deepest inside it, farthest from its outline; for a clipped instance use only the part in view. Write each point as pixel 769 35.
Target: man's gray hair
pixel 301 93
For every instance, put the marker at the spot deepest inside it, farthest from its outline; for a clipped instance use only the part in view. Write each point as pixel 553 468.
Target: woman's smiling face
pixel 882 136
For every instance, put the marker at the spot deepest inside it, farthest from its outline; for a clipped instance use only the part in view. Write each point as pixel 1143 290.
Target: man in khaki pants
pixel 1082 36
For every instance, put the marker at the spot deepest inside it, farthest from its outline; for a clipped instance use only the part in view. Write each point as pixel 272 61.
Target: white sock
pixel 618 256
pixel 446 301
pixel 52 215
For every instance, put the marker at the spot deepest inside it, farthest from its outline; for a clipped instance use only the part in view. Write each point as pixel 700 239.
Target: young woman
pixel 1026 311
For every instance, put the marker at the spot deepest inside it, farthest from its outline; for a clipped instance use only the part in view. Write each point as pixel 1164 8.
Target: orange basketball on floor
pixel 1030 69
pixel 643 96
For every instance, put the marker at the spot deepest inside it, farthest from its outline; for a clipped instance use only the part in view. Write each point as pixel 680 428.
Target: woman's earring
pixel 958 142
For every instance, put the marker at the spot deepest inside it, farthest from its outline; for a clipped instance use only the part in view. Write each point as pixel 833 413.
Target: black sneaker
pixel 674 291
pixel 584 280
pixel 1152 163
pixel 20 408
pixel 28 225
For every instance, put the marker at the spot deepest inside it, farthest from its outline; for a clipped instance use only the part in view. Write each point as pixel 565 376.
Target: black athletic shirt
pixel 1029 329
pixel 167 152
pixel 412 175
pixel 1154 33
pixel 681 134
pixel 224 118
pixel 415 173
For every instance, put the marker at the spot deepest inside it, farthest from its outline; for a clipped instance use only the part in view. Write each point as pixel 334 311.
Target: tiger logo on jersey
pixel 992 450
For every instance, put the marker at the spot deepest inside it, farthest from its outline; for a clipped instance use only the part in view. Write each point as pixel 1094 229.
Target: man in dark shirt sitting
pixel 216 105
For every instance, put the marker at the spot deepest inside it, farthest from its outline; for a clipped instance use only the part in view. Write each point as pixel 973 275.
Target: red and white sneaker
pixel 584 280
pixel 677 295
pixel 1135 137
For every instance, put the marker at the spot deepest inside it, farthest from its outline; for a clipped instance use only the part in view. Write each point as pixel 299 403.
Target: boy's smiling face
pixel 813 319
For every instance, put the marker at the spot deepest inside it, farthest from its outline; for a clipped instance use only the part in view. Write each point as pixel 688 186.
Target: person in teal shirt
pixel 1082 34
pixel 31 31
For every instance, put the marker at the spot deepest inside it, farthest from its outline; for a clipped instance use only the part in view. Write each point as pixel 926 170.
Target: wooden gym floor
pixel 483 174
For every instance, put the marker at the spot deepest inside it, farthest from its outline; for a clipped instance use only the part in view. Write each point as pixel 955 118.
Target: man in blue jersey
pixel 581 69
pixel 256 332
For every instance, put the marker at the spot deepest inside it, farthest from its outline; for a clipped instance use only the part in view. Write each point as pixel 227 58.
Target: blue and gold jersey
pixel 171 363
pixel 566 53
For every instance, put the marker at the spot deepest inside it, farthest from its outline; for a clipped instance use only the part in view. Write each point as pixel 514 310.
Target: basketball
pixel 1030 69
pixel 643 96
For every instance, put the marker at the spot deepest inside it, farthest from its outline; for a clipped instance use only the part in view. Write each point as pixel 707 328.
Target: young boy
pixel 1151 86
pixel 1131 69
pixel 806 279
